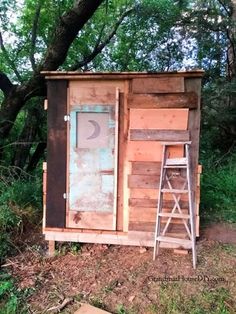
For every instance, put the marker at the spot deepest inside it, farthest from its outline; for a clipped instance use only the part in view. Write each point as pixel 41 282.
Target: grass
pixel 173 300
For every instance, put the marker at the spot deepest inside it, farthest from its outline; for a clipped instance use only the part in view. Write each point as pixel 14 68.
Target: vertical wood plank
pixel 127 164
pixel 194 85
pixel 68 159
pixel 116 152
pixel 44 191
pixel 51 248
pixel 56 154
pixel 121 155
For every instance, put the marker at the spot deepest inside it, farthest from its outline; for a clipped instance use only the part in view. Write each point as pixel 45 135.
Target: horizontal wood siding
pixel 159 119
pixel 56 154
pixel 90 220
pixel 159 111
pixel 155 101
pixel 168 204
pixel 149 151
pixel 158 85
pixel 159 135
pixel 94 92
pixel 143 181
pixel 148 168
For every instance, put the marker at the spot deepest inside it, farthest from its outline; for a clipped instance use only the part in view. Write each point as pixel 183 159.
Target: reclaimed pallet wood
pixel 142 202
pixel 94 92
pixel 158 85
pixel 151 194
pixel 171 100
pixel 159 119
pixel 143 181
pixel 159 135
pixel 149 151
pixel 56 154
pixel 148 168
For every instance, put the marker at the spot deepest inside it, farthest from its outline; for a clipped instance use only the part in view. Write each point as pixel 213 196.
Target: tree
pixel 67 28
pixel 47 39
pixel 115 35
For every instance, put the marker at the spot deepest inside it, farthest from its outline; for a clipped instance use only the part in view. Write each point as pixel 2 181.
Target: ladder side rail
pixel 159 203
pixel 191 209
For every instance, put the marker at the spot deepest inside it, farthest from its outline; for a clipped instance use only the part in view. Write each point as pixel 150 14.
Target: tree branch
pixel 34 34
pixel 70 24
pixel 8 59
pixel 5 84
pixel 66 31
pixel 224 7
pixel 100 45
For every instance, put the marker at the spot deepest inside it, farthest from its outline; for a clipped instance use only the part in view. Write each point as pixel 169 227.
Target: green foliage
pixel 121 309
pixel 20 201
pixel 218 197
pixel 12 299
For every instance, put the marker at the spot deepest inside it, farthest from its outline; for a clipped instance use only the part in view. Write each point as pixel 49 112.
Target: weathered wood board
pixel 159 119
pixel 159 85
pixel 159 135
pixel 149 151
pixel 170 100
pixel 94 92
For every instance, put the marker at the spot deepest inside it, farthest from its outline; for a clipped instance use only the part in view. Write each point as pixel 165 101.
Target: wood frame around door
pixel 103 221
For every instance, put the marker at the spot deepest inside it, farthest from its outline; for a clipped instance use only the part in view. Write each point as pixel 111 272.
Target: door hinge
pixel 65 196
pixel 45 104
pixel 66 117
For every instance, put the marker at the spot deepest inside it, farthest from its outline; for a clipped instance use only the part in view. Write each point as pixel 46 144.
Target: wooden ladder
pixel 172 167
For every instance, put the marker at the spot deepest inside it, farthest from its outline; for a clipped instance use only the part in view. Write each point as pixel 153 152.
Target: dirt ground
pixel 126 280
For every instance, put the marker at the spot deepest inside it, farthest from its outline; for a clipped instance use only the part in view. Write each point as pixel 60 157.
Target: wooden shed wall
pixel 165 109
pixel 152 109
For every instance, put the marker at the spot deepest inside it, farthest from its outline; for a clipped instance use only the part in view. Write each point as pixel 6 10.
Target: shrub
pixel 218 186
pixel 20 201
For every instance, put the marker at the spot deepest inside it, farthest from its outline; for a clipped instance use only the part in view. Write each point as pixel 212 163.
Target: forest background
pixel 112 35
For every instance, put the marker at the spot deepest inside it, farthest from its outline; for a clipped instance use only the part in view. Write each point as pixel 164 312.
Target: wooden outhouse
pixel 102 172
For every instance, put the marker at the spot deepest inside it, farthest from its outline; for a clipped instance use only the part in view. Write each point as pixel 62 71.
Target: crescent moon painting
pixel 96 131
pixel 92 130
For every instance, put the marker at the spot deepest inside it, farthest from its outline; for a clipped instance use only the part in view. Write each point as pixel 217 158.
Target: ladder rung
pixel 176 161
pixel 175 166
pixel 173 215
pixel 174 191
pixel 174 240
pixel 175 143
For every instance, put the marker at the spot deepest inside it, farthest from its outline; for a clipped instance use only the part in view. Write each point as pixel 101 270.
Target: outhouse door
pixel 92 167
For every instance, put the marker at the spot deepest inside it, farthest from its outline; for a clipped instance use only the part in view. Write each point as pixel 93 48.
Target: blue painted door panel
pixel 91 161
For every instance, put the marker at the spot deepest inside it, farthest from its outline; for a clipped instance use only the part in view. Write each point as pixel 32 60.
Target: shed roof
pixel 75 75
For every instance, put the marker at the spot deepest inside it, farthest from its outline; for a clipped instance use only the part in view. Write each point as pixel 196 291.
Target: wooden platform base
pixel 133 238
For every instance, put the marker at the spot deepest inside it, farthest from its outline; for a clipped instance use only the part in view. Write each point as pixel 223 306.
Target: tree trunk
pixel 66 31
pixel 232 43
pixel 33 122
pixel 37 155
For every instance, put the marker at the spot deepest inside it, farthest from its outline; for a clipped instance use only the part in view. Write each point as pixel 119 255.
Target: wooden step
pixel 173 215
pixel 174 191
pixel 176 161
pixel 174 240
